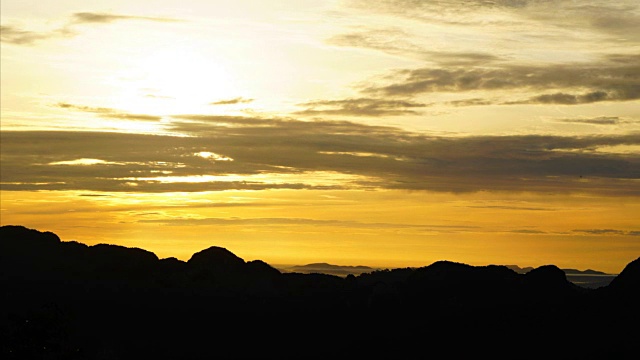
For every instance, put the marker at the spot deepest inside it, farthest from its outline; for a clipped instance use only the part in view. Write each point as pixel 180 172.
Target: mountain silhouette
pixel 67 300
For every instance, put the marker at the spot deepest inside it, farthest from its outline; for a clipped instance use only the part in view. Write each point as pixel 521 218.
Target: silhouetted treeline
pixel 66 300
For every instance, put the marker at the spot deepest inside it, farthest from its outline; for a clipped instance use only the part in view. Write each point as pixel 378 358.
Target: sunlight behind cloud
pixel 83 162
pixel 212 156
pixel 311 178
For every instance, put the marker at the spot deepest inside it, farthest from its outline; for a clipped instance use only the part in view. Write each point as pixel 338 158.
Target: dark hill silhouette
pixel 66 300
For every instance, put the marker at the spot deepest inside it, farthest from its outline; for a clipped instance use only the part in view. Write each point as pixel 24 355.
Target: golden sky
pixel 383 133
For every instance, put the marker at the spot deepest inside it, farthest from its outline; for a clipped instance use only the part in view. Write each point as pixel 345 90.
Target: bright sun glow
pixel 173 81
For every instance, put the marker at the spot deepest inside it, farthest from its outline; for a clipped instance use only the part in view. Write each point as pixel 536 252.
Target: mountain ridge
pixel 73 301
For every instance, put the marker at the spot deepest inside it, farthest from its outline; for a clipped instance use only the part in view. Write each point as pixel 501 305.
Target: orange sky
pixel 387 134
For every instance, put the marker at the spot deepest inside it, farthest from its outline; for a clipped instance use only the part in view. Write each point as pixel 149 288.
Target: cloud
pixel 290 154
pixel 103 18
pixel 528 231
pixel 17 36
pixel 108 112
pixel 607 232
pixel 398 42
pixel 619 19
pixel 572 99
pixel 440 31
pixel 602 120
pixel 506 207
pixel 360 107
pixel 471 102
pixel 617 78
pixel 238 100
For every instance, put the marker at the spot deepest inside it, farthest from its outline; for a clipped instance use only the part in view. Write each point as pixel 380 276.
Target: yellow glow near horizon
pixel 344 227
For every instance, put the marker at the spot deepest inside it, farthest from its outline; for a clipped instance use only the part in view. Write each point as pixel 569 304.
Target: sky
pixel 391 133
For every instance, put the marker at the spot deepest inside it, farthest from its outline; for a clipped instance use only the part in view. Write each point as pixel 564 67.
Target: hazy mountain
pixel 324 268
pixel 586 278
pixel 66 300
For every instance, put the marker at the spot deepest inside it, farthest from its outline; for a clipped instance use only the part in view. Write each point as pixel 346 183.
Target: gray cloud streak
pixel 397 42
pixel 360 107
pixel 603 120
pixel 102 18
pixel 108 112
pixel 238 100
pixel 607 232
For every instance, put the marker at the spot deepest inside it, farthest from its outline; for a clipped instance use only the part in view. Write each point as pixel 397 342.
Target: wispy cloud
pixel 507 207
pixel 360 107
pixel 18 36
pixel 238 100
pixel 608 232
pixel 471 102
pixel 396 41
pixel 102 18
pixel 528 231
pixel 602 120
pixel 108 112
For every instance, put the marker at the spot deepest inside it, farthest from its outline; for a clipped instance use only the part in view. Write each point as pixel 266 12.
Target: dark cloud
pixel 571 99
pixel 360 107
pixel 238 100
pixel 108 112
pixel 290 154
pixel 615 79
pixel 528 231
pixel 606 232
pixel 602 120
pixel 471 102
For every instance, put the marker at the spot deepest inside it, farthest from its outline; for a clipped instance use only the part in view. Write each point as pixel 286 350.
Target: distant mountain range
pixel 324 268
pixel 67 300
pixel 342 270
pixel 585 278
